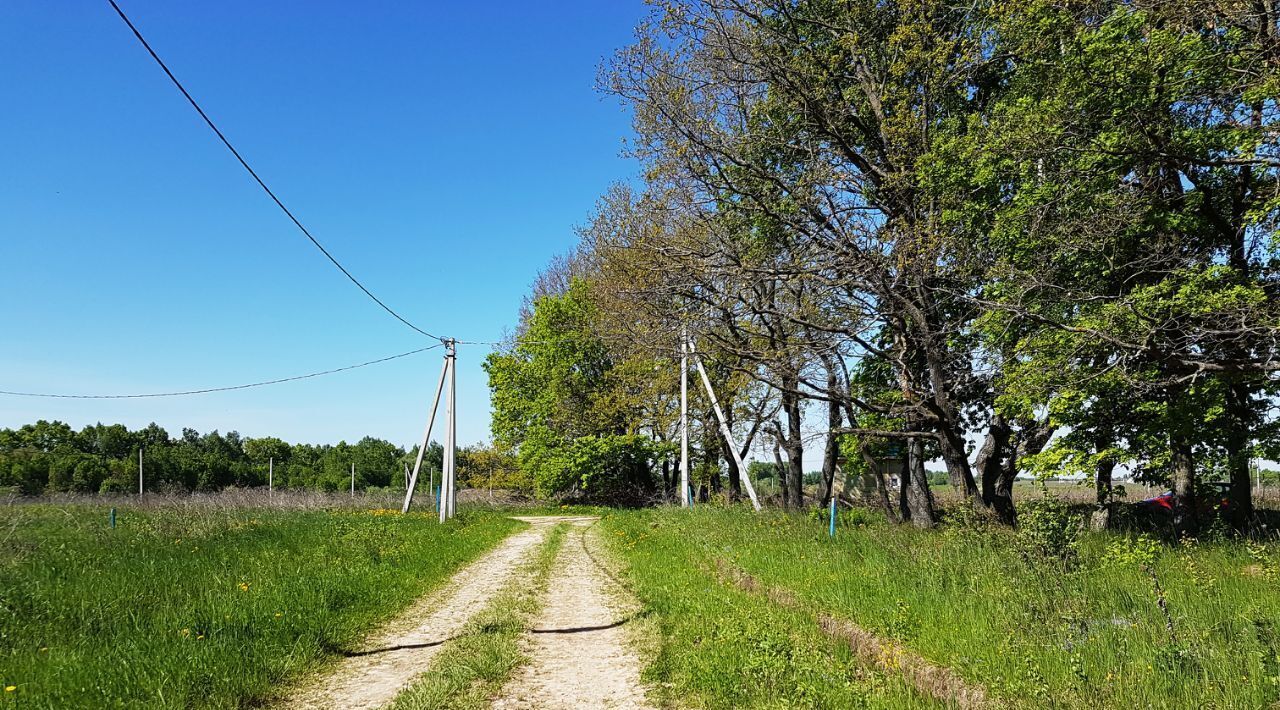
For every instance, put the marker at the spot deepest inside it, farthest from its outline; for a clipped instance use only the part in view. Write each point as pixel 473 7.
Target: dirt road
pixel 577 654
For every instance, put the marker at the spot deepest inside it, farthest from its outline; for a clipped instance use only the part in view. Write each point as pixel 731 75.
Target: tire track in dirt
pixel 579 656
pixel 389 660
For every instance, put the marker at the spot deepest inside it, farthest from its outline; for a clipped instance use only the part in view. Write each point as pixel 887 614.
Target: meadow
pixel 205 605
pixel 222 603
pixel 1041 617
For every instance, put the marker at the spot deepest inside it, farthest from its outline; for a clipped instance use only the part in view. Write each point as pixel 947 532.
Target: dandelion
pixel 244 586
pixel 184 633
pixel 278 615
pixel 10 688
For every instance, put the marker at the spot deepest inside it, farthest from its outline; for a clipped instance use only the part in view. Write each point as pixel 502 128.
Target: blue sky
pixel 442 151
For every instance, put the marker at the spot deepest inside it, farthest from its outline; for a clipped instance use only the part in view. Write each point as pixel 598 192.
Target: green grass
pixel 718 647
pixel 473 667
pixel 204 607
pixel 1034 632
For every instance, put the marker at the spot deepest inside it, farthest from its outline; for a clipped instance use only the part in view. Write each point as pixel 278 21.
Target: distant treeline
pixel 51 457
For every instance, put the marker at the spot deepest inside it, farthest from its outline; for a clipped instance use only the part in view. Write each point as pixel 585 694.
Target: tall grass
pixel 718 647
pixel 1113 622
pixel 204 605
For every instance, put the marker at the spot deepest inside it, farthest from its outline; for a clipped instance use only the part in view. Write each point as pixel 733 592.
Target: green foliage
pixel 1048 529
pixel 51 457
pixel 562 401
pixel 606 467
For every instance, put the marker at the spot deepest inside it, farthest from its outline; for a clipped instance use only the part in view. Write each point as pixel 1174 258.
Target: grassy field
pixel 718 647
pixel 1080 629
pixel 204 606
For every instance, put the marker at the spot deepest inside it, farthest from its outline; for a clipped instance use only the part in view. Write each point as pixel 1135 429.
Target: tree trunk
pixel 831 453
pixel 915 498
pixel 1185 515
pixel 951 445
pixel 794 445
pixel 1240 492
pixel 735 476
pixel 830 456
pixel 710 457
pixel 1104 505
pixel 726 450
pixel 668 486
pixel 997 492
pixel 882 485
pixel 782 469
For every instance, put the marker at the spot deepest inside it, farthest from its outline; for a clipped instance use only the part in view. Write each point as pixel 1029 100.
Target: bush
pixel 608 468
pixel 1048 530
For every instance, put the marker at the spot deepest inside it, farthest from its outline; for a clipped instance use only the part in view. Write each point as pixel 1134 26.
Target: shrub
pixel 1047 529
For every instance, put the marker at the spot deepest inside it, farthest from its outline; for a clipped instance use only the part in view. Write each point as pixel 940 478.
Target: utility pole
pixel 684 417
pixel 139 473
pixel 448 479
pixel 426 437
pixel 726 431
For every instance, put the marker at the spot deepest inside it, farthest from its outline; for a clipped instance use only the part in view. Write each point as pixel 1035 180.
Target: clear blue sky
pixel 443 151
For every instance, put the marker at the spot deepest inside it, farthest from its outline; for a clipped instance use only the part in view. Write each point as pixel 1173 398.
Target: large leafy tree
pixel 566 404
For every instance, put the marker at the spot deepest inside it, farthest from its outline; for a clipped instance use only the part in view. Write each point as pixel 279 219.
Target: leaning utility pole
pixel 426 438
pixel 725 430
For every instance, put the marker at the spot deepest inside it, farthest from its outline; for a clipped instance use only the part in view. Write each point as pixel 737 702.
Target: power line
pixel 218 389
pixel 254 174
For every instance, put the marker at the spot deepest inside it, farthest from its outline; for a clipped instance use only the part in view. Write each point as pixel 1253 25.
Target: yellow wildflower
pixel 10 688
pixel 244 586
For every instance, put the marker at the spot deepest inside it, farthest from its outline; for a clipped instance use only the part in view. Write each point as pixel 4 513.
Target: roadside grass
pixel 715 646
pixel 1036 631
pixel 205 606
pixel 473 667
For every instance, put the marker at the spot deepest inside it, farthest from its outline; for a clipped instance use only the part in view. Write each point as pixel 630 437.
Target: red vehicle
pixel 1214 497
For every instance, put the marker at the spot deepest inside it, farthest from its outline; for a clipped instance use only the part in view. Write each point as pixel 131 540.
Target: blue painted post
pixel 113 518
pixel 437 499
pixel 832 531
pixel 688 492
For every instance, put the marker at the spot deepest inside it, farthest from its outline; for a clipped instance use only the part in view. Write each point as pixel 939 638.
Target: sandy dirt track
pixel 393 657
pixel 579 656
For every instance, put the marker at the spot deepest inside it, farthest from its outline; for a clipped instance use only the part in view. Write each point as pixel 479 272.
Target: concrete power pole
pixel 684 418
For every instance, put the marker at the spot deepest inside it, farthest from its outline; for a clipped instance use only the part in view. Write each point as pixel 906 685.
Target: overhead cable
pixel 218 389
pixel 257 179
